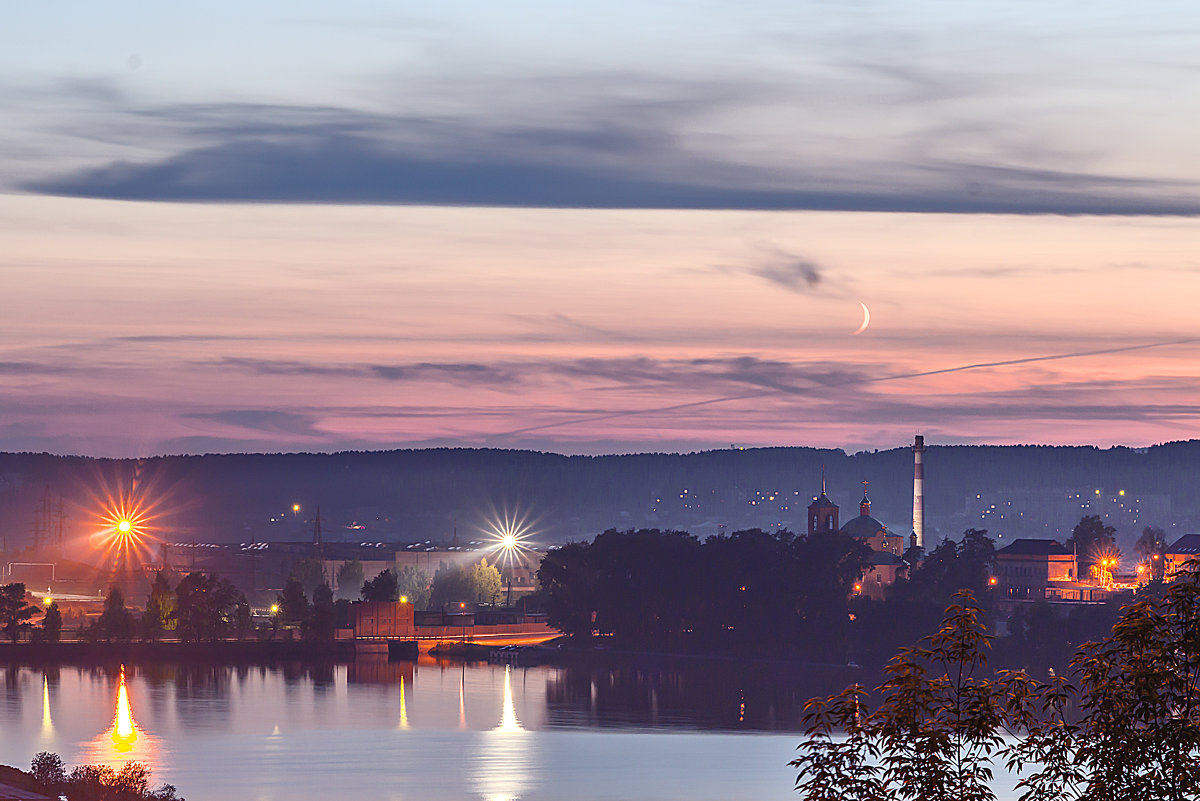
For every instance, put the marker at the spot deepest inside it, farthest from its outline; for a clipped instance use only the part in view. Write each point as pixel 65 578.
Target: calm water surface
pixel 430 730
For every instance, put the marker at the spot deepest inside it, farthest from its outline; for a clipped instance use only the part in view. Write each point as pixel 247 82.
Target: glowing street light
pixel 124 526
pixel 47 600
pixel 274 609
pixel 403 599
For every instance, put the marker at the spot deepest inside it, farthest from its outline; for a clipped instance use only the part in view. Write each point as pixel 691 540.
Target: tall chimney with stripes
pixel 919 491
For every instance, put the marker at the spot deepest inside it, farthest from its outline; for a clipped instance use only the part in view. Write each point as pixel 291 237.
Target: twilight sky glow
pixel 575 226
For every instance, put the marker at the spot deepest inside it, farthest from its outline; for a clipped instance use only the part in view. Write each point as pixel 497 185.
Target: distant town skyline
pixel 611 228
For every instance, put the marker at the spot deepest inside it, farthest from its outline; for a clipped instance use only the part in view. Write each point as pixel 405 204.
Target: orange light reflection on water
pixel 124 741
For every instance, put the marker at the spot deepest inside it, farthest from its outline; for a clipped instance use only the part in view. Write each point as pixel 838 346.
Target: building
pixel 1035 569
pixel 822 512
pixel 885 566
pixel 1183 550
pixel 883 570
pixel 871 532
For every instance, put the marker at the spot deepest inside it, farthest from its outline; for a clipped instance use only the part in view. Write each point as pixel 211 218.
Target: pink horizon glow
pixel 143 328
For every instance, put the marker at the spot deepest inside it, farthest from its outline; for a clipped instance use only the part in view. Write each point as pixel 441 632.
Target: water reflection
pixel 477 733
pixel 124 741
pixel 506 757
pixel 403 706
pixel 697 694
pixel 462 698
pixel 47 722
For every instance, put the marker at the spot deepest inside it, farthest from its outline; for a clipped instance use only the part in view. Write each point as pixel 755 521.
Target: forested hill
pixel 424 494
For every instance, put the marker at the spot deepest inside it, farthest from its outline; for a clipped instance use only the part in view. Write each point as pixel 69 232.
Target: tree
pixel 1137 730
pixel 14 611
pixel 451 586
pixel 1124 725
pixel 1092 540
pixel 310 573
pixel 160 608
pixel 48 771
pixel 568 581
pixel 1151 546
pixel 206 607
pixel 381 588
pixel 413 582
pixel 293 605
pixel 115 622
pixel 349 579
pixel 485 582
pixel 102 783
pixel 937 730
pixel 319 625
pixel 243 621
pixel 52 623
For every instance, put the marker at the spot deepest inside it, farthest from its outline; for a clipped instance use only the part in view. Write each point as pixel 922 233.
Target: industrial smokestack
pixel 919 491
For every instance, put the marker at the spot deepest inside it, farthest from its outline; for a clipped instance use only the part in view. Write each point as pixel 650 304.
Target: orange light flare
pixel 126 532
pixel 126 510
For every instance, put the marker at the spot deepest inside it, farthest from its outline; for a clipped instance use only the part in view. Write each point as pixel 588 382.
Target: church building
pixel 887 547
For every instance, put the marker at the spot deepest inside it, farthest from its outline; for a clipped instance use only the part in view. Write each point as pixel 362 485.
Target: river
pixel 436 731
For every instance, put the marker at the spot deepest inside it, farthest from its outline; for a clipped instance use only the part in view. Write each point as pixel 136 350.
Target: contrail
pixel 881 379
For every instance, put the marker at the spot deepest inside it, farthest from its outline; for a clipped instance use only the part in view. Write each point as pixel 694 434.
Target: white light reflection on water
pixel 305 733
pixel 47 722
pixel 507 754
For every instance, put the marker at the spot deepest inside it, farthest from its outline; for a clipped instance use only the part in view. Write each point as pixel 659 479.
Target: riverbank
pixel 18 785
pixel 222 651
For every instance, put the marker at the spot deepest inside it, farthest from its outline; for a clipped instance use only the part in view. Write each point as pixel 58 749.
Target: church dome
pixel 864 526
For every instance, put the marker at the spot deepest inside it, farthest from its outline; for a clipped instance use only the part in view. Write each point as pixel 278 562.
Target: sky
pixel 597 227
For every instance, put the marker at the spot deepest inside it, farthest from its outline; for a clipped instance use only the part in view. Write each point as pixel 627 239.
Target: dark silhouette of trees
pixel 914 606
pixel 97 782
pixel 1091 538
pixel 48 771
pixel 319 625
pixel 381 588
pixel 115 622
pixel 293 603
pixel 206 607
pixel 567 583
pixel 751 589
pixel 14 611
pixel 52 623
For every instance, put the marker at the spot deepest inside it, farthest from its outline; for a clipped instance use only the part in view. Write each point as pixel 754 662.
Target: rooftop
pixel 1032 547
pixel 1187 544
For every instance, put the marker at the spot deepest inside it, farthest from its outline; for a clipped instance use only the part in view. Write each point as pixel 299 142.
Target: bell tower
pixel 822 512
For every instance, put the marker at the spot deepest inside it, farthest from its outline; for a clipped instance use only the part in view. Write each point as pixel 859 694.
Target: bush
pixel 97 782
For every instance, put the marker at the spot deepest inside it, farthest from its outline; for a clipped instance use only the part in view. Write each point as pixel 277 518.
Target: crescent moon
pixel 866 319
